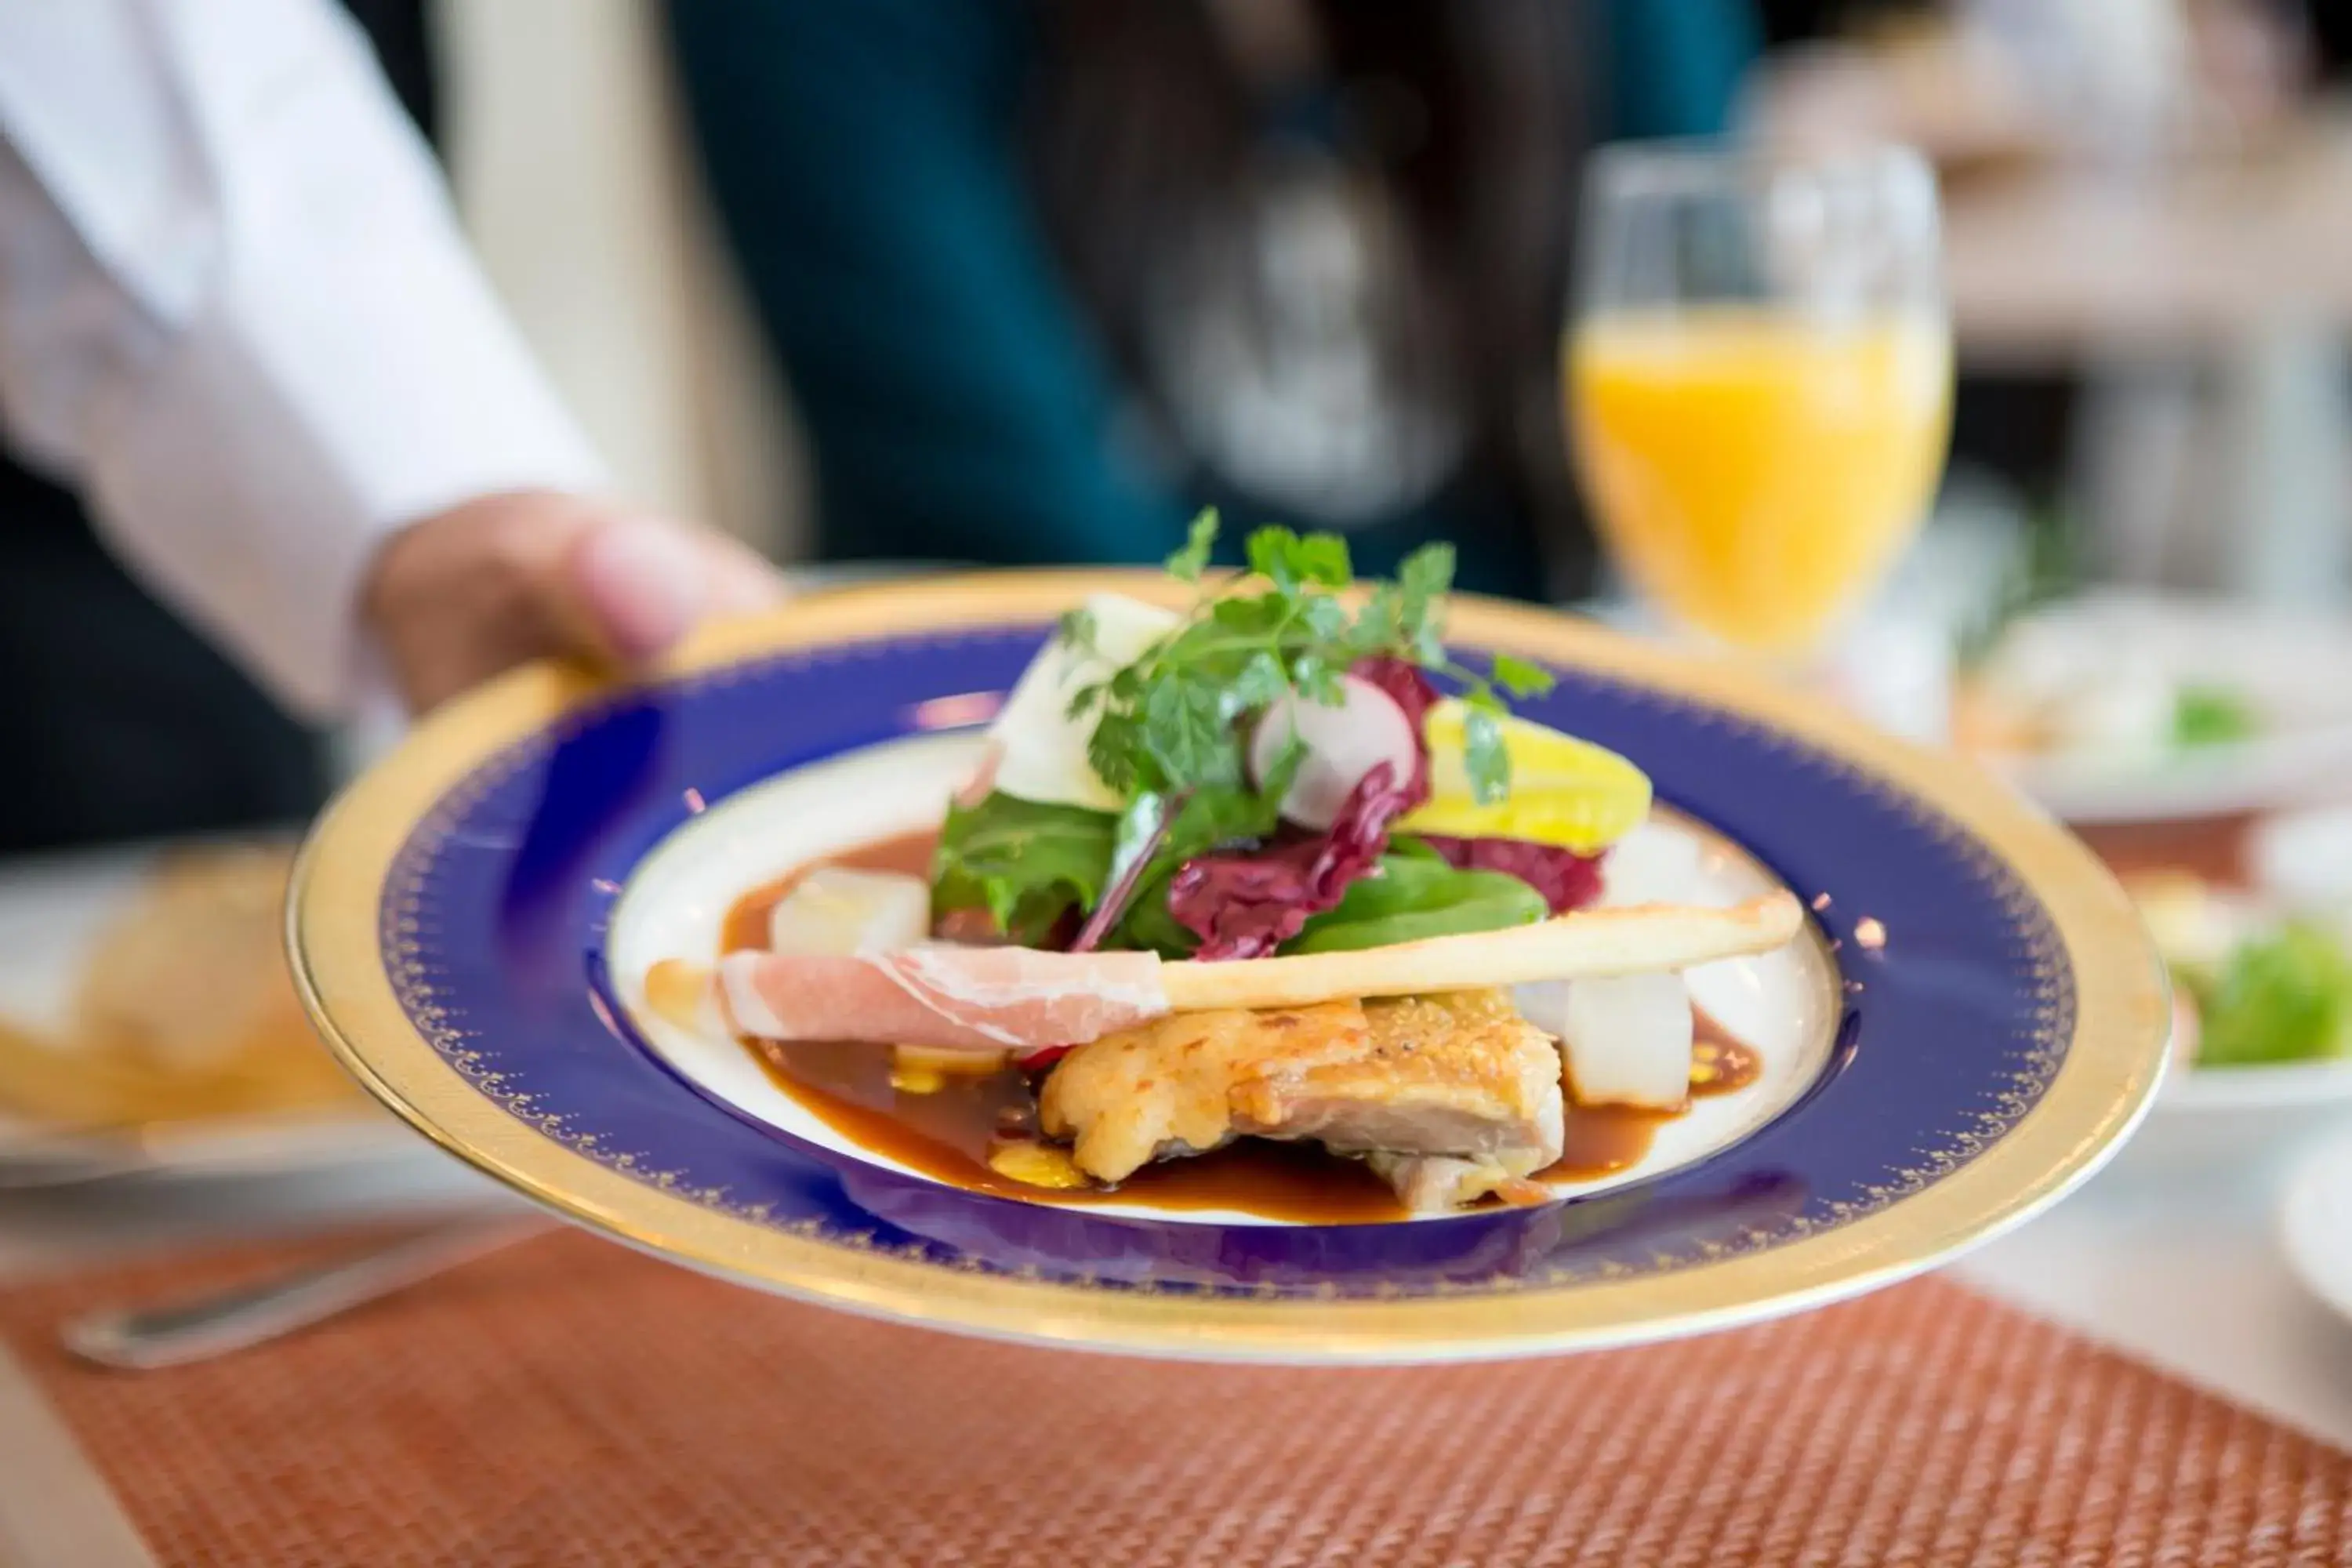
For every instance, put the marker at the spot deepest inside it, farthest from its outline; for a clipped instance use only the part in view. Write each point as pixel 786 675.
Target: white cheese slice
pixel 1044 751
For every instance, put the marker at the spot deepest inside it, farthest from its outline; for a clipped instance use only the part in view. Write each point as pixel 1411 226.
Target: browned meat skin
pixel 1170 1088
pixel 1460 1076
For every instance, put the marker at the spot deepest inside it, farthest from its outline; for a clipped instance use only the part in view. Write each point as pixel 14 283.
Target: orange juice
pixel 1755 472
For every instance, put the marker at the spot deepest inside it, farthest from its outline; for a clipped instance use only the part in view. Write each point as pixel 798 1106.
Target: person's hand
pixel 456 597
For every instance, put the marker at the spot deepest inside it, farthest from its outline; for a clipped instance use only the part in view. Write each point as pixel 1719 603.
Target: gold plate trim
pixel 2101 1086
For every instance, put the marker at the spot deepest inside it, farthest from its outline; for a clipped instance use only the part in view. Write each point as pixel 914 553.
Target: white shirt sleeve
pixel 236 312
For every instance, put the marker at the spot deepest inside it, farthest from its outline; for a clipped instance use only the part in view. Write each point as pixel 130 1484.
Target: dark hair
pixel 1474 110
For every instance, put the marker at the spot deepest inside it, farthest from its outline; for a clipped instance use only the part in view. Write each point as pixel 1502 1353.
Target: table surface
pixel 2043 267
pixel 2184 1271
pixel 2047 260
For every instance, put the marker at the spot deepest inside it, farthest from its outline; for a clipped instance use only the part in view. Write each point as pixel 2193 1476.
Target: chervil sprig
pixel 1167 723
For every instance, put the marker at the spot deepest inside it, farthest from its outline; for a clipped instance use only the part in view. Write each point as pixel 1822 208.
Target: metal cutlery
pixel 176 1332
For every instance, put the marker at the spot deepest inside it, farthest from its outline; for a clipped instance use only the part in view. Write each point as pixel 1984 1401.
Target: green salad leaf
pixel 1415 894
pixel 1170 735
pixel 2287 997
pixel 1208 819
pixel 1027 865
pixel 1150 926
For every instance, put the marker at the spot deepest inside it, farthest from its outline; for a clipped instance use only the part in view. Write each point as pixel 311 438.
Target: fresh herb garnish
pixel 1288 561
pixel 1078 628
pixel 1168 723
pixel 2210 716
pixel 1187 564
pixel 1520 678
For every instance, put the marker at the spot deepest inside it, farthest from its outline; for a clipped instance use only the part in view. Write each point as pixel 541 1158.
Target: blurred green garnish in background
pixel 2210 716
pixel 2046 566
pixel 2287 997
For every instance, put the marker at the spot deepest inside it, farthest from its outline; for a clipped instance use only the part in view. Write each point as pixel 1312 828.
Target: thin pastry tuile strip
pixel 1023 999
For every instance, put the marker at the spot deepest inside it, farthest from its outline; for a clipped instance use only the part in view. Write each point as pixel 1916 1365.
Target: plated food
pixel 184 1012
pixel 2123 706
pixel 2254 985
pixel 2250 916
pixel 1239 871
pixel 2042 697
pixel 1961 1025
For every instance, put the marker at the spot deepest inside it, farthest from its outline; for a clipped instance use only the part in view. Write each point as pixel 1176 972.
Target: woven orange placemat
pixel 571 1402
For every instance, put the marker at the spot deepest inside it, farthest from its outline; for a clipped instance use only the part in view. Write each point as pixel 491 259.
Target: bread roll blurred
pixel 186 1009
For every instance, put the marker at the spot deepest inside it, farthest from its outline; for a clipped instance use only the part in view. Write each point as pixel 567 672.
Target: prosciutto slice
pixel 951 998
pixel 1025 999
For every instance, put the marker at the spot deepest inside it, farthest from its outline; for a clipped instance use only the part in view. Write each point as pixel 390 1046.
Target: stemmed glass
pixel 1759 380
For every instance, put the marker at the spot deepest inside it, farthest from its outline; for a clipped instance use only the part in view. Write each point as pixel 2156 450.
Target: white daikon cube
pixel 1626 1040
pixel 836 910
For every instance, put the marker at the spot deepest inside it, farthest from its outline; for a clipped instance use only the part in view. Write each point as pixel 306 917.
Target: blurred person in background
pixel 240 333
pixel 1046 278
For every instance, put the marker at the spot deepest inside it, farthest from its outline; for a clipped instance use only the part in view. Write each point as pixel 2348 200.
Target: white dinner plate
pixel 2212 1118
pixel 2315 1224
pixel 51 910
pixel 2294 670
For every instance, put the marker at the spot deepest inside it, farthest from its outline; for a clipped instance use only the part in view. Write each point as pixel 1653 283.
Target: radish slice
pixel 1343 743
pixel 1625 1040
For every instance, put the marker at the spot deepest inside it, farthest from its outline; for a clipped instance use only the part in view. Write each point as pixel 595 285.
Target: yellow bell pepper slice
pixel 1564 791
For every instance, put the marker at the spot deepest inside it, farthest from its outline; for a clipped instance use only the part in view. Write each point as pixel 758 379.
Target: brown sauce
pixel 1604 1138
pixel 1720 1064
pixel 947 1134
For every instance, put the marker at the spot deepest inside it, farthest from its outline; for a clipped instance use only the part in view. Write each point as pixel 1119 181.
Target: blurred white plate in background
pixel 2299 867
pixel 2120 660
pixel 2316 1225
pixel 51 910
pixel 2214 1118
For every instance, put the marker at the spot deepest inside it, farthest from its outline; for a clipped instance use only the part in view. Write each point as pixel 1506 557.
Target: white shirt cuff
pixel 241 314
pixel 287 435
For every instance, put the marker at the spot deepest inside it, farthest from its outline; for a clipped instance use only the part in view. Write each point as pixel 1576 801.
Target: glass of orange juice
pixel 1758 378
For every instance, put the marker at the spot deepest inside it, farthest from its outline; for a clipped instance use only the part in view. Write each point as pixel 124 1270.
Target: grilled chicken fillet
pixel 1459 1078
